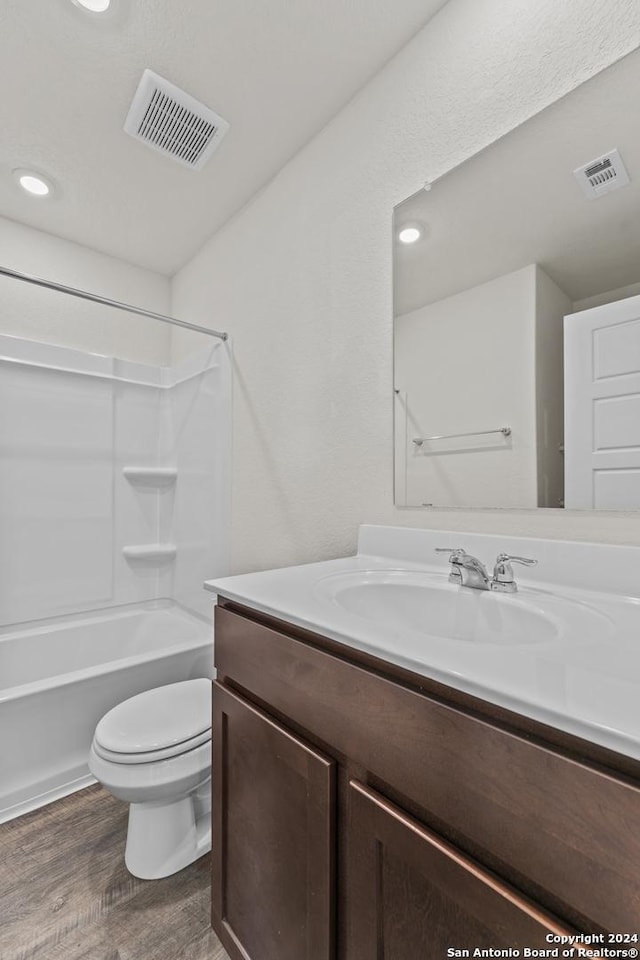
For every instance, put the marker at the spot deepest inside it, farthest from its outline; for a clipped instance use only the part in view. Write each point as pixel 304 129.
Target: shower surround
pixel 113 495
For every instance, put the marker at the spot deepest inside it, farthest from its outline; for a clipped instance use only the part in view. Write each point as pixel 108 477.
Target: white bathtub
pixel 58 677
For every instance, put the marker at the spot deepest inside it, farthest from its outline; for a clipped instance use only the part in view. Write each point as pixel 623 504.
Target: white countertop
pixel 586 682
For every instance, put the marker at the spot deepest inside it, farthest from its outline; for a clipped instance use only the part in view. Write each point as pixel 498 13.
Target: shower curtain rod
pixel 84 295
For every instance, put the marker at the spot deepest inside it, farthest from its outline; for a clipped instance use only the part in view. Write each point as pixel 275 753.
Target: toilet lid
pixel 157 719
pixel 150 756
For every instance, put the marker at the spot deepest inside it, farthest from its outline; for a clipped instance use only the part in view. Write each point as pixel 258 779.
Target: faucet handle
pixel 506 558
pixel 456 559
pixel 503 571
pixel 452 551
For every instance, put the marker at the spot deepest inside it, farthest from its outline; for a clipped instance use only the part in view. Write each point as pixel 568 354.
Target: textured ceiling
pixel 276 71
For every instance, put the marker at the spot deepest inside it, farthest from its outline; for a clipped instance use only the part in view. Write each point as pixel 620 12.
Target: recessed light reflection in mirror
pixel 35 184
pixel 410 233
pixel 93 6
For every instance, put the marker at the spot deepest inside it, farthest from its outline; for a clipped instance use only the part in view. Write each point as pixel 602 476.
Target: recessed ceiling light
pixel 409 234
pixel 95 6
pixel 33 183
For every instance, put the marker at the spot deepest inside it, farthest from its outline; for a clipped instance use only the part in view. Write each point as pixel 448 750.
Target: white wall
pixel 301 277
pixel 552 305
pixel 39 314
pixel 464 364
pixel 487 357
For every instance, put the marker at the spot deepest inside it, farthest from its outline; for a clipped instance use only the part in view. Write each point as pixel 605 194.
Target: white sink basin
pixel 563 650
pixel 427 604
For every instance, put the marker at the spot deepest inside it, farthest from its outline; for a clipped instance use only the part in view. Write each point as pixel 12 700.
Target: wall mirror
pixel 517 315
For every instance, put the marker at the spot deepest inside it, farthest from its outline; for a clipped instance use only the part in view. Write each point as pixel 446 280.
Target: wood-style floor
pixel 65 893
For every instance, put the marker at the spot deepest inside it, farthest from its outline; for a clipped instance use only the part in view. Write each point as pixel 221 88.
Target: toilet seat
pixel 149 756
pixel 157 724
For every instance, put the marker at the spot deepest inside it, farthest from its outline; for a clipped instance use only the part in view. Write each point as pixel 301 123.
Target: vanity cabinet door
pixel 412 896
pixel 273 837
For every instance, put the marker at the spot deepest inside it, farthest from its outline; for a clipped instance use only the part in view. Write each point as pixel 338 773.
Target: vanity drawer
pixel 566 833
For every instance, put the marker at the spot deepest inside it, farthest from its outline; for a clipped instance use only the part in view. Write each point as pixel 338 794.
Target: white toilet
pixel 154 752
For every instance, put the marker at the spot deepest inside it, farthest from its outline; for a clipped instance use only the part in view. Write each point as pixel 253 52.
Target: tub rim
pixel 20 691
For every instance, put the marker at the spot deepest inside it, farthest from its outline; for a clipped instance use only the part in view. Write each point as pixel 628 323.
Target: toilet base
pixel 163 838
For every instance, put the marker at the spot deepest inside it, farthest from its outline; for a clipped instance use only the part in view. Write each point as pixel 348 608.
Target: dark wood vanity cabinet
pixel 273 881
pixel 362 812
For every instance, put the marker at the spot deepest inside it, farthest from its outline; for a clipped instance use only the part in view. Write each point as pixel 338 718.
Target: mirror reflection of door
pixel 540 225
pixel 602 407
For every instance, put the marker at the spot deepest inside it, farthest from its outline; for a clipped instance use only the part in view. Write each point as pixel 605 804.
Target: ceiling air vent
pixel 171 121
pixel 603 175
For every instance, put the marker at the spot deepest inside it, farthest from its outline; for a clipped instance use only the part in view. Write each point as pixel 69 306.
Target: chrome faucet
pixel 468 571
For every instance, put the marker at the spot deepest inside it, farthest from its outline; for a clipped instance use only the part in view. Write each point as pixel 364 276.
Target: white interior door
pixel 602 407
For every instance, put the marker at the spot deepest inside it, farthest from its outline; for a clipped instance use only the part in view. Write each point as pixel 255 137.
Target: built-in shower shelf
pixel 154 476
pixel 150 551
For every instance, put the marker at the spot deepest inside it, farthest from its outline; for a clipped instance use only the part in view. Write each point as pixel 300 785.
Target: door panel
pixel 602 407
pixel 412 895
pixel 273 837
